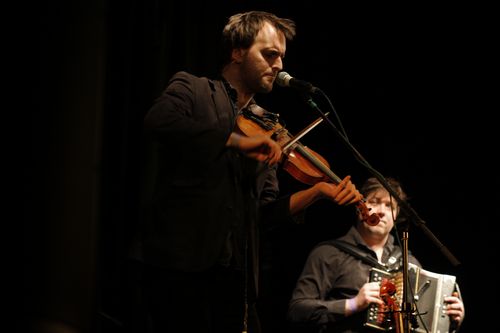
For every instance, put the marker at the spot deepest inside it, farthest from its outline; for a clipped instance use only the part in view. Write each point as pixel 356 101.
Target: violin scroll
pixel 371 219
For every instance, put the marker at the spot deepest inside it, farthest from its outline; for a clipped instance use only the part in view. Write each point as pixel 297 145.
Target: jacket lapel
pixel 224 109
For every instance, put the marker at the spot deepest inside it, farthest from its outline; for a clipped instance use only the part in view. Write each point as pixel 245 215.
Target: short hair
pixel 373 184
pixel 241 30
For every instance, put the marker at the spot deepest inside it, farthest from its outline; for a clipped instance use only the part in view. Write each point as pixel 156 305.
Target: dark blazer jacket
pixel 202 187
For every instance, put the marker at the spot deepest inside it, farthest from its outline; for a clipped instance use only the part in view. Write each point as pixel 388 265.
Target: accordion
pixel 426 292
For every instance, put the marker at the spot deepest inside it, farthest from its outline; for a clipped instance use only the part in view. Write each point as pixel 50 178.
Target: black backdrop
pixel 409 83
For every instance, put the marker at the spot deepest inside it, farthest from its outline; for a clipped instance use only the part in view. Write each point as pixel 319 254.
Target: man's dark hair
pixel 241 30
pixel 373 184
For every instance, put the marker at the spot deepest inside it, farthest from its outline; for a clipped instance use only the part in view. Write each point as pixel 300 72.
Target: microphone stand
pixel 405 313
pixel 409 212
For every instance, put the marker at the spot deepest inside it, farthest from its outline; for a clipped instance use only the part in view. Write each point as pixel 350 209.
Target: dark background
pixel 409 83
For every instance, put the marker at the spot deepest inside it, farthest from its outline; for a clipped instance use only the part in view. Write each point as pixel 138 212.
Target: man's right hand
pixel 260 147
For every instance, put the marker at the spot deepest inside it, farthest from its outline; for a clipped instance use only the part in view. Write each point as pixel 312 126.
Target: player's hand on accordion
pixel 369 293
pixel 455 308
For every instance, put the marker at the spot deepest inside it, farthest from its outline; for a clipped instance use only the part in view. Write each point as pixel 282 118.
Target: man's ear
pixel 237 55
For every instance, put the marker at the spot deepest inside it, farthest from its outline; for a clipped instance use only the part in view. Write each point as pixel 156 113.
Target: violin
pixel 302 163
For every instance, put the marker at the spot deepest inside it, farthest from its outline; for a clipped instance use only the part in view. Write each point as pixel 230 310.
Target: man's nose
pixel 278 64
pixel 379 210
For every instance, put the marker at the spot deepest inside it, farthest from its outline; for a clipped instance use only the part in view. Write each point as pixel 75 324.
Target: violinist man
pixel 333 291
pixel 215 186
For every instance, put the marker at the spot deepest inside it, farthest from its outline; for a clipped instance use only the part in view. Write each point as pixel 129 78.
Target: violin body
pixel 300 168
pixel 258 121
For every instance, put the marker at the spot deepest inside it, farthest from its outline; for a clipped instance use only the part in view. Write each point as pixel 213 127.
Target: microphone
pixel 286 80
